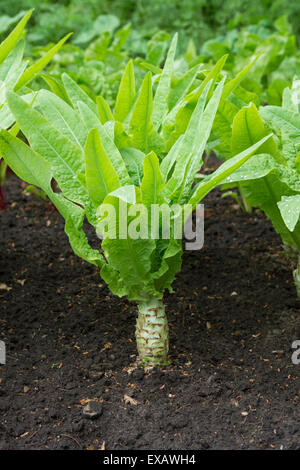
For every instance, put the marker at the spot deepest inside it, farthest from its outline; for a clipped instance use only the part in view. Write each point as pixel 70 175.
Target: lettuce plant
pixel 102 158
pixel 15 74
pixel 271 180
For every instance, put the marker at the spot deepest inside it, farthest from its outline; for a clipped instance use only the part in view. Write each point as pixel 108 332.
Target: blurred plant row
pixel 197 19
pixel 101 44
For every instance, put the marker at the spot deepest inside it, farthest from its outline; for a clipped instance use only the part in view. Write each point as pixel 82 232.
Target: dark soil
pixel 233 318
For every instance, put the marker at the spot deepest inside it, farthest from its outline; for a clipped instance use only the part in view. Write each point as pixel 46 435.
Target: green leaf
pixel 157 47
pixel 257 167
pixel 228 108
pixel 170 266
pixel 170 159
pixel 65 157
pixel 10 81
pixel 222 128
pixel 289 207
pixel 9 43
pixel 125 193
pixel 141 128
pixel 236 81
pixel 283 26
pixel 7 119
pixel 282 119
pixel 147 66
pixel 193 145
pixel 120 38
pixel 76 94
pixel 101 25
pixel 100 175
pixel 182 150
pixel 6 21
pixel 62 116
pixel 160 102
pixel 104 110
pixel 35 68
pixel 153 182
pixel 43 137
pixel 176 122
pixel 56 87
pixel 126 94
pixel 12 63
pixel 129 260
pixel 266 193
pixel 179 91
pixel 247 129
pixel 134 161
pixel 223 171
pixel 291 97
pixel 92 122
pixel 120 136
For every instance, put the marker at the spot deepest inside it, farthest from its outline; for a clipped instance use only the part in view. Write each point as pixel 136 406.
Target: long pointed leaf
pixel 101 178
pixel 35 68
pixel 65 157
pixel 8 44
pixel 76 94
pixel 92 122
pixel 141 126
pixel 160 101
pixel 247 129
pixel 289 207
pixel 223 171
pixel 104 110
pixel 62 116
pixel 152 182
pixel 126 94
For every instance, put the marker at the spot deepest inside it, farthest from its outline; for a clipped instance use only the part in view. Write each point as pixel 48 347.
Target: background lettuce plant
pixel 98 156
pixel 271 180
pixel 273 44
pixel 196 19
pixel 16 74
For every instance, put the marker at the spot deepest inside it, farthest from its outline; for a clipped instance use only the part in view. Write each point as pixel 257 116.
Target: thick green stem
pixel 152 333
pixel 3 168
pixel 297 277
pixel 247 207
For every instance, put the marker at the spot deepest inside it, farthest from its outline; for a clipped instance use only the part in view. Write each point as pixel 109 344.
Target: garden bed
pixel 233 317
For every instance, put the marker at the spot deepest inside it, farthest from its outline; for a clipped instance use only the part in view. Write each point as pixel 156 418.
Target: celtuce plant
pixel 271 180
pixel 16 75
pixel 121 159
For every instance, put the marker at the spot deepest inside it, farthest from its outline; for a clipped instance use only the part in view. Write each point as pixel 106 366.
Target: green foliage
pixel 124 124
pixel 120 162
pixel 273 183
pixel 14 71
pixel 16 75
pixel 106 34
pixel 275 49
pixel 247 129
